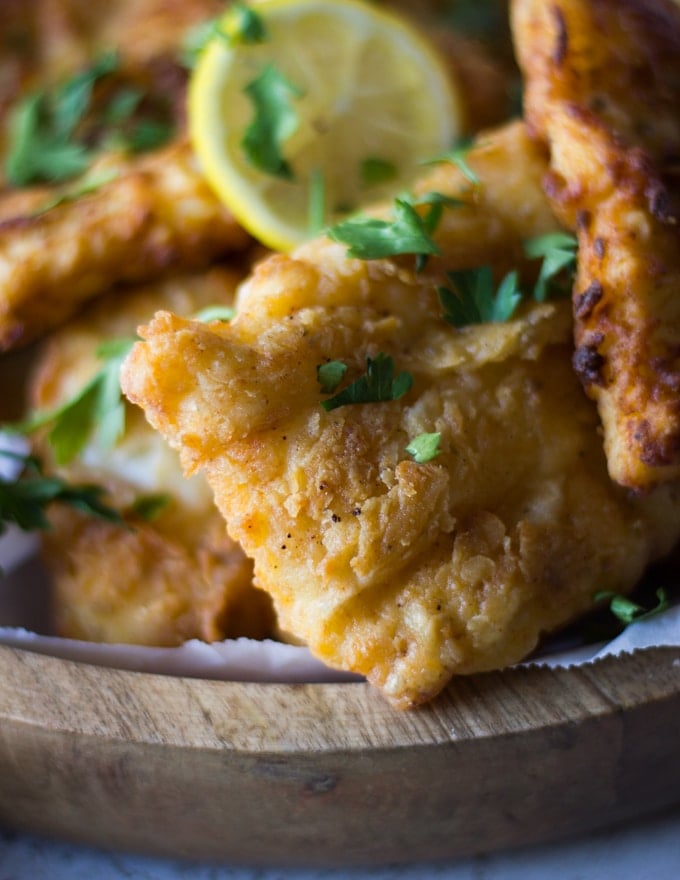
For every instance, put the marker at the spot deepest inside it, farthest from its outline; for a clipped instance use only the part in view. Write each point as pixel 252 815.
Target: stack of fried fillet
pixel 408 572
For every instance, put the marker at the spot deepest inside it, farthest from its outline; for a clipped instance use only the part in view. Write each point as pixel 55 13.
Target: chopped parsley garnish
pixel 215 313
pixel 147 134
pixel 148 507
pixel 485 20
pixel 98 409
pixel 376 385
pixel 317 201
pixel 330 375
pixel 424 447
pixel 436 203
pixel 55 135
pixel 89 183
pixel 369 238
pixel 458 156
pixel 23 500
pixel 274 122
pixel 242 26
pixel 627 611
pixel 558 251
pixel 374 171
pixel 42 141
pixel 474 299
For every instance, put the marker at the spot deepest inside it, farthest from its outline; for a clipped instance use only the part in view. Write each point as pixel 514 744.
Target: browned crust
pixel 602 90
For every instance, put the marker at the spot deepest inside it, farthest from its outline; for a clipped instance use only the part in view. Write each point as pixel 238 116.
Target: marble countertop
pixel 647 849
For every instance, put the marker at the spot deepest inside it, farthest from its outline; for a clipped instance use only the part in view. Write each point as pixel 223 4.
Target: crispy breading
pixel 603 90
pixel 158 582
pixel 158 216
pixel 406 572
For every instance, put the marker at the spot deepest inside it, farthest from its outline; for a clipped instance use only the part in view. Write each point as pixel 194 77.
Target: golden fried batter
pixel 163 581
pixel 603 90
pixel 156 216
pixel 406 572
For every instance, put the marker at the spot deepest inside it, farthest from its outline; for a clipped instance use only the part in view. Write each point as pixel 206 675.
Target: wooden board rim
pixel 316 759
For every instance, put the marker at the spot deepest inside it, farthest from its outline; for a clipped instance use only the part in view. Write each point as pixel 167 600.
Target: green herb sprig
pixel 25 499
pixel 425 447
pixel 241 27
pixel 97 409
pixel 474 299
pixel 49 142
pixel 330 375
pixel 458 156
pixel 89 183
pixel 275 120
pixel 558 251
pixel 369 238
pixel 377 384
pixel 373 171
pixel 42 143
pixel 626 611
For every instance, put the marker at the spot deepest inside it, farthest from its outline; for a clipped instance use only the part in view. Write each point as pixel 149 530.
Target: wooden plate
pixel 329 774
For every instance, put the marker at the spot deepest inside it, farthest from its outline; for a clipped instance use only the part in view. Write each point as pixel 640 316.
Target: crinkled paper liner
pixel 23 622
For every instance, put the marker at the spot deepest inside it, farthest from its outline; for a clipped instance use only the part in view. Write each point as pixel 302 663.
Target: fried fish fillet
pixel 602 91
pixel 155 582
pixel 406 572
pixel 156 217
pixel 149 216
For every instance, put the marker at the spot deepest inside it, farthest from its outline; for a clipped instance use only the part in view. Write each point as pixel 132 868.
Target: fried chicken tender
pixel 157 582
pixel 406 572
pixel 602 91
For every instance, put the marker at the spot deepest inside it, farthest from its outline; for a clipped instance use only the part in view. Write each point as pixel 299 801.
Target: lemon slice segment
pixel 352 97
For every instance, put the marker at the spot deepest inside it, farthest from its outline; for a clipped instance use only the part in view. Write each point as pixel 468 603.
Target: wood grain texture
pixel 330 774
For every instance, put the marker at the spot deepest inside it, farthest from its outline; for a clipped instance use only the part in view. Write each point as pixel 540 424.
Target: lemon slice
pixel 334 107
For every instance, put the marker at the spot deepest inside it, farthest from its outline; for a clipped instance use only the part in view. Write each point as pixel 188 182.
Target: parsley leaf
pixel 330 375
pixel 148 507
pixel 147 134
pixel 558 251
pixel 215 313
pixel 458 156
pixel 55 135
pixel 89 183
pixel 23 500
pixel 317 201
pixel 436 203
pixel 424 447
pixel 627 611
pixel 98 409
pixel 376 385
pixel 42 144
pixel 371 239
pixel 274 122
pixel 374 171
pixel 474 299
pixel 485 20
pixel 242 26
